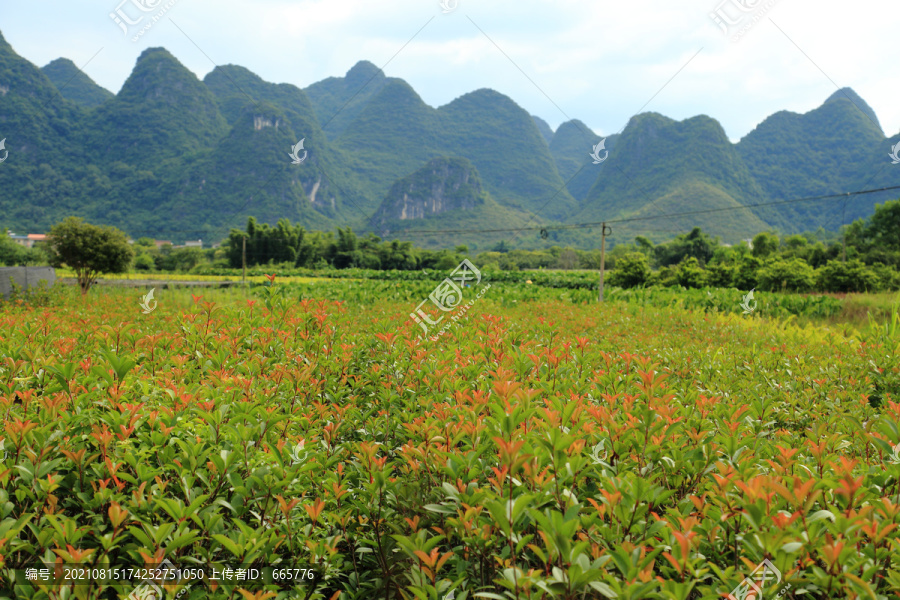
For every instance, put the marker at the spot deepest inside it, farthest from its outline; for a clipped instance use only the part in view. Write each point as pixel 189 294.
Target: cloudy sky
pixel 600 61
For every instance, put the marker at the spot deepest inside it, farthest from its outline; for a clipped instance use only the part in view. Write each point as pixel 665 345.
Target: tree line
pixel 865 258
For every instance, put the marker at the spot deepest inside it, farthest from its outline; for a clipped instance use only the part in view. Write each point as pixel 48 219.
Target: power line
pixel 413 233
pixel 665 216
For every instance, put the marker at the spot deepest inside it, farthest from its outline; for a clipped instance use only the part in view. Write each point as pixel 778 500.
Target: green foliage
pixel 793 156
pixel 570 147
pixel 662 155
pixel 746 278
pixel 144 262
pixel 439 187
pixel 73 84
pixel 599 454
pixel 765 244
pixel 183 113
pixel 695 244
pixel 793 275
pixel 13 254
pixel 340 100
pixel 721 275
pixel 690 274
pixel 171 156
pixel 178 259
pixel 40 295
pixel 884 372
pixel 89 250
pixel 877 239
pixel 728 301
pixel 632 270
pixel 850 276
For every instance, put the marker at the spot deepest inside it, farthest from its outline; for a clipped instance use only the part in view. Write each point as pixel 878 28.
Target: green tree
pixel 850 276
pixel 695 244
pixel 631 270
pixel 720 274
pixel 745 278
pixel 764 244
pixel 795 246
pixel 794 275
pixel 11 253
pixel 501 247
pixel 89 250
pixel 346 251
pixel 690 274
pixel 567 260
pixel 144 262
pixel 644 245
pixel 884 226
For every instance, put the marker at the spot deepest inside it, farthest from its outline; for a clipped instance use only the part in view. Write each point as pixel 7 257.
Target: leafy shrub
pixel 631 270
pixel 793 275
pixel 720 275
pixel 535 447
pixel 690 274
pixel 850 276
pixel 884 342
pixel 746 277
pixel 144 262
pixel 765 244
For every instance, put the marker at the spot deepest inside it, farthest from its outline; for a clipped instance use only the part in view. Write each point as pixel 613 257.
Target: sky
pixel 599 61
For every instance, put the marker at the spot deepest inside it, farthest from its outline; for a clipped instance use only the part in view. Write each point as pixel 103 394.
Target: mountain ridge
pixel 171 155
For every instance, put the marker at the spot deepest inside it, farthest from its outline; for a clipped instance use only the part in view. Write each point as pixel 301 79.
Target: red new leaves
pixel 547 449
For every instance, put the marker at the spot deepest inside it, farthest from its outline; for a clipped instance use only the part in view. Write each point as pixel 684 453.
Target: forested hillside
pixel 171 156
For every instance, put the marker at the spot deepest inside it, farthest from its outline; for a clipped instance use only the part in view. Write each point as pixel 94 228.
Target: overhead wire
pixel 566 226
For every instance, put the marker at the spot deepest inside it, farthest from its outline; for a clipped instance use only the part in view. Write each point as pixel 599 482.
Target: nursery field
pixel 304 439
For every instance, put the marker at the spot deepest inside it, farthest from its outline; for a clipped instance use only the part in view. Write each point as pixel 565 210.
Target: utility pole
pixel 244 261
pixel 603 235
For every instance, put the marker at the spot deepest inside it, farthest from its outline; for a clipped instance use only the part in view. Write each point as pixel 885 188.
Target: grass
pixel 169 276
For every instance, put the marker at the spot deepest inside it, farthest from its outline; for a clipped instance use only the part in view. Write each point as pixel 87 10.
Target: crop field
pixel 546 446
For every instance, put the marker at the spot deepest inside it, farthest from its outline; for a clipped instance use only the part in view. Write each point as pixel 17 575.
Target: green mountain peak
pixel 847 94
pixel 362 73
pixel 73 84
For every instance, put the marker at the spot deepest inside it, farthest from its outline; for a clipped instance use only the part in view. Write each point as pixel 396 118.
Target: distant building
pixel 192 244
pixel 161 243
pixel 21 240
pixel 29 240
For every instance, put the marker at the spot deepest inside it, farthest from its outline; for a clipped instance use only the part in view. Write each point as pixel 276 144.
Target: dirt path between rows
pixel 162 284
